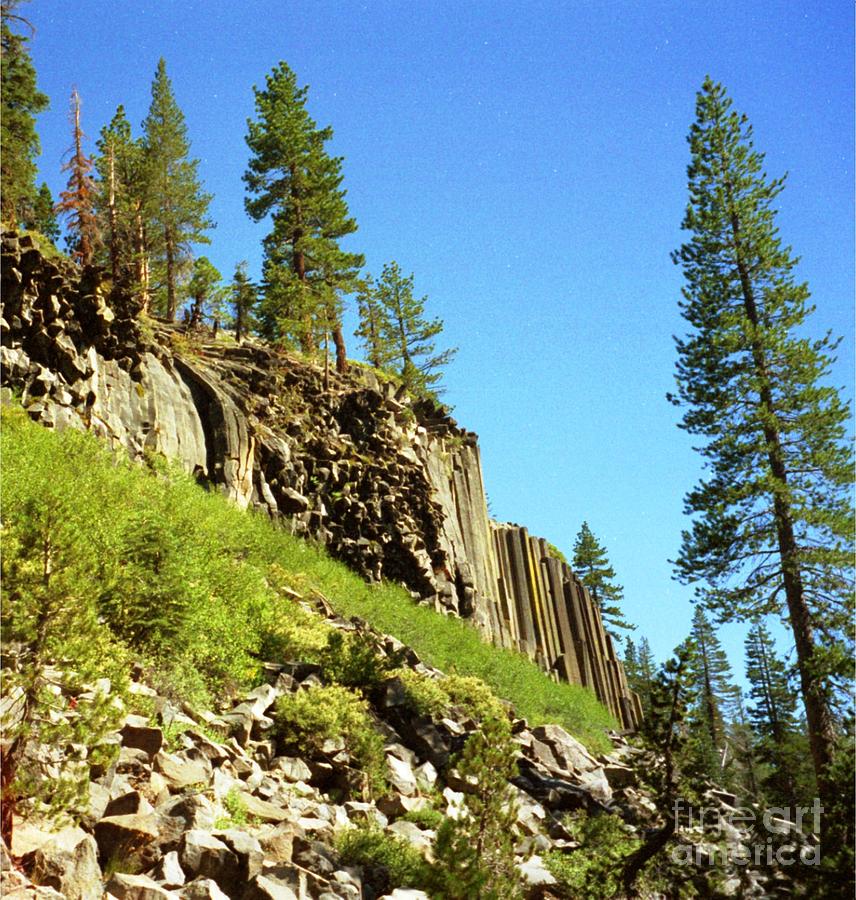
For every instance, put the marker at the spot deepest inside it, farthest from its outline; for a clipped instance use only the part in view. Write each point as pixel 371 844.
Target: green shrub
pixel 388 861
pixel 427 817
pixel 424 695
pixel 351 660
pixel 595 869
pixel 473 696
pixel 306 719
pixel 236 811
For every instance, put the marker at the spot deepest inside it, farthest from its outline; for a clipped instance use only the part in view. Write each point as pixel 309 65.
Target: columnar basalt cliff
pixel 393 487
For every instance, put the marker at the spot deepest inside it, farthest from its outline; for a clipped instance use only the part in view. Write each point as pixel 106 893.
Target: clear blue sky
pixel 526 160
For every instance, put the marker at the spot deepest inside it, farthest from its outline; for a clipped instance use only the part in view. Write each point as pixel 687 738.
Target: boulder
pixel 136 887
pixel 181 772
pixel 263 888
pixel 131 803
pixel 117 835
pixel 68 862
pixel 137 733
pixel 291 768
pixel 247 849
pixel 261 809
pixel 400 775
pixel 203 855
pixel 423 841
pixel 168 871
pixel 202 889
pixel 535 873
pixel 569 752
pixel 278 842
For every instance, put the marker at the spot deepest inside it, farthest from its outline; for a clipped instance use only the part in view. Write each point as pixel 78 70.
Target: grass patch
pixel 197 587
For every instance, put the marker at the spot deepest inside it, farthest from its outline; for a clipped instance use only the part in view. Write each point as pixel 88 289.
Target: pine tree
pixel 774 526
pixel 714 695
pixel 179 208
pixel 475 853
pixel 206 294
pixel 53 713
pixel 78 202
pixel 20 103
pixel 42 217
pixel 773 714
pixel 244 300
pixel 291 177
pixel 374 325
pixel 122 204
pixel 405 340
pixel 592 565
pixel 640 670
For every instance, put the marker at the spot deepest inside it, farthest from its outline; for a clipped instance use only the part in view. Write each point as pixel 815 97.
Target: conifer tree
pixel 179 209
pixel 20 103
pixel 244 299
pixel 592 565
pixel 405 339
pixel 713 693
pixel 291 177
pixel 206 294
pixel 773 714
pixel 122 204
pixel 78 202
pixel 42 217
pixel 475 852
pixel 773 526
pixel 640 670
pixel 374 324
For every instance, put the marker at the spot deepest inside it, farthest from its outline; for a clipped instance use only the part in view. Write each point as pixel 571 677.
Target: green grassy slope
pixel 197 587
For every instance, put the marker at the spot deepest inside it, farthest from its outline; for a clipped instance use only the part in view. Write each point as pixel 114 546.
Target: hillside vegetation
pixel 204 593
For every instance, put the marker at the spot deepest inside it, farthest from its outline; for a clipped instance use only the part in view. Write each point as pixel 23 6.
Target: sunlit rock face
pixel 392 486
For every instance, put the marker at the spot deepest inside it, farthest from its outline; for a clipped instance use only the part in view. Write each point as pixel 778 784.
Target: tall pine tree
pixel 77 203
pixel 20 102
pixel 123 209
pixel 396 335
pixel 713 694
pixel 291 177
pixel 179 209
pixel 773 714
pixel 244 299
pixel 773 526
pixel 592 565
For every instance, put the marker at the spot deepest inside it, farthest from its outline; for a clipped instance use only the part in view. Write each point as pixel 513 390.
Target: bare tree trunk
pixel 170 275
pixel 111 206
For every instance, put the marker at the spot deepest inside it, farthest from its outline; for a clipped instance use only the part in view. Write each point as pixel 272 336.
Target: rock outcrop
pixel 393 487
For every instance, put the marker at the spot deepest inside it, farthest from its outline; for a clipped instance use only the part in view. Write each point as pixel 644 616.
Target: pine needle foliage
pixel 179 207
pixel 475 852
pixel 591 563
pixel 772 529
pixel 291 178
pixel 397 336
pixel 20 102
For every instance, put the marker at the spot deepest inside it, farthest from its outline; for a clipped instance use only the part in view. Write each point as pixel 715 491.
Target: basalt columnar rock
pixel 393 487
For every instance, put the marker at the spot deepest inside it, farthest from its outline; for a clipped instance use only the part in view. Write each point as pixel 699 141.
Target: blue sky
pixel 527 162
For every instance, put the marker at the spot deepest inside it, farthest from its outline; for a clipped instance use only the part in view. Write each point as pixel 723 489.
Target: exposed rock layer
pixel 393 488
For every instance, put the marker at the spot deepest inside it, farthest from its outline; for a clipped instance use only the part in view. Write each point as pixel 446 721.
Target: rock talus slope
pixel 392 486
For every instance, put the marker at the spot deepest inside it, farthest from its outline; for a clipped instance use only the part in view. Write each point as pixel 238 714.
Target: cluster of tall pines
pixel 138 208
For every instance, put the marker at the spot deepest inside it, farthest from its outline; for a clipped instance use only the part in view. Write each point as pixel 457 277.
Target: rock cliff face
pixel 394 488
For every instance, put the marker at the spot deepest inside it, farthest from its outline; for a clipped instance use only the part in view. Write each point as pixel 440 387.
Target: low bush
pixel 595 869
pixel 388 861
pixel 306 719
